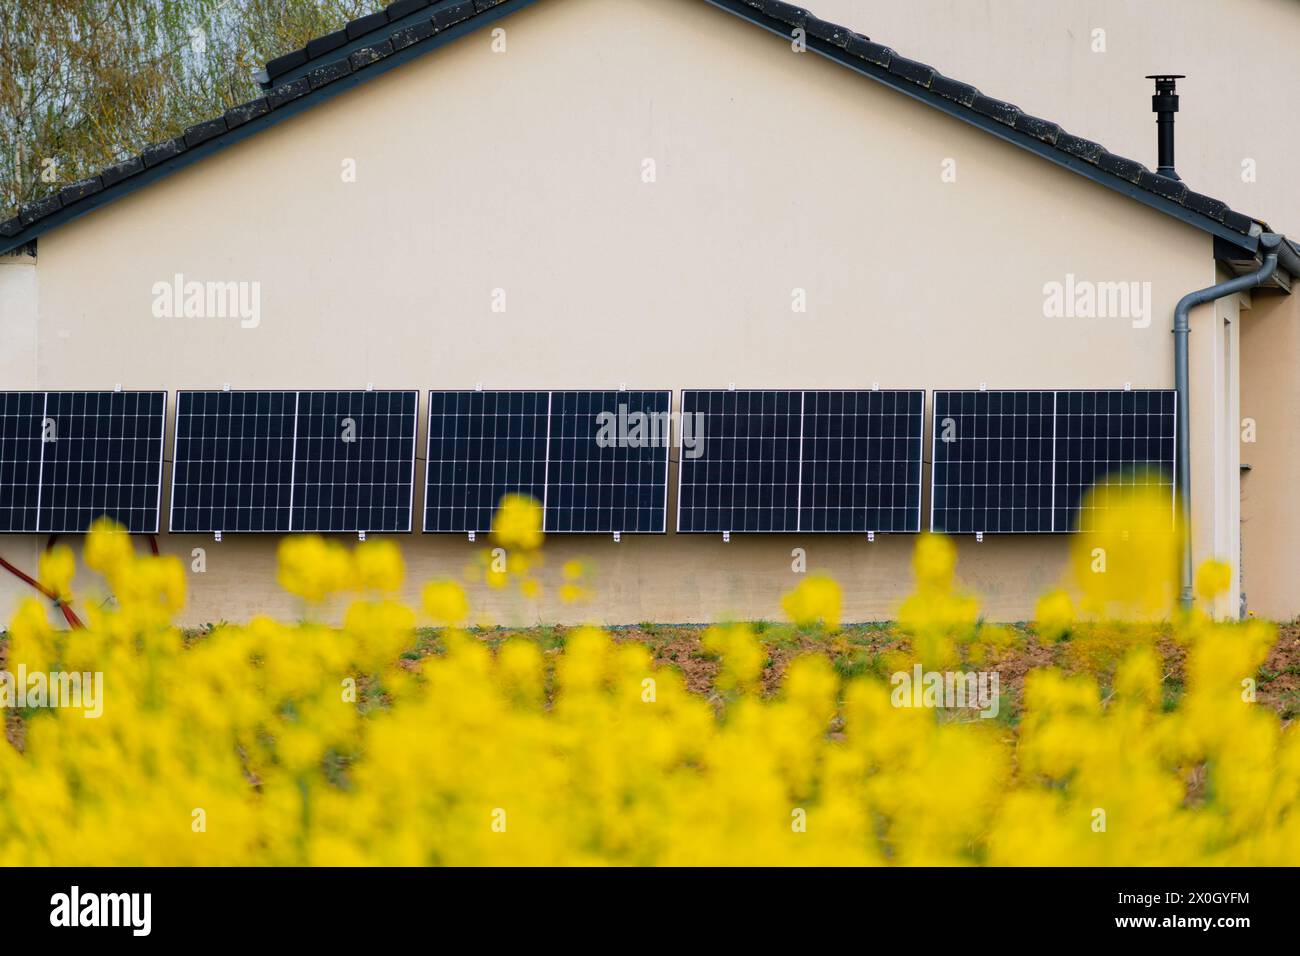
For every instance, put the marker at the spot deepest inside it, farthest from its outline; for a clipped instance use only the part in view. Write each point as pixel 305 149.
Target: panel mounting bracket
pixel 731 386
pixel 216 536
pixel 875 386
pixel 617 537
pixel 622 386
pixel 871 536
pixel 1128 386
pixel 979 536
pixel 726 536
pixel 984 386
pixel 471 537
pixel 370 386
pixel 361 536
pixel 225 387
pixel 117 387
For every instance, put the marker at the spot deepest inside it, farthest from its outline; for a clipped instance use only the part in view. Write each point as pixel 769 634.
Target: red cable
pixel 68 614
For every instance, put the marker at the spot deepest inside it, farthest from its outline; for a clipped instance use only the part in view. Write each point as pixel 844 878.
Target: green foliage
pixel 86 83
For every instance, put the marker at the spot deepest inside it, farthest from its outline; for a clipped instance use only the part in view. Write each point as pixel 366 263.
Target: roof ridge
pixel 422 25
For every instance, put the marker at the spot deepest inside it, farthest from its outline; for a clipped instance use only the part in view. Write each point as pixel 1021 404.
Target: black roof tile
pixel 369 54
pixel 287 62
pixel 442 15
pixel 239 115
pixel 161 152
pixel 1205 205
pixel 80 190
pixel 1085 149
pixel 861 46
pixel 325 44
pixel 400 40
pixel 323 75
pixel 1042 129
pixel 371 21
pixel 919 73
pixel 287 92
pixel 402 7
pixel 39 209
pixel 114 174
pixel 1122 167
pixel 202 132
pixel 785 12
pixel 830 32
pixel 954 90
pixel 1174 189
pixel 451 15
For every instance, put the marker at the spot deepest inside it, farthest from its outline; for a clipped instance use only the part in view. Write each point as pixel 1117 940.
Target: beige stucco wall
pixel 523 171
pixel 1270 408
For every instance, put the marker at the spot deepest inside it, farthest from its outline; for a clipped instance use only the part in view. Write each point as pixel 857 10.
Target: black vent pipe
pixel 1164 103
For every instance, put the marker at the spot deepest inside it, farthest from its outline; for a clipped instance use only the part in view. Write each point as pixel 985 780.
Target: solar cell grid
pixel 67 458
pixel 1024 461
pixel 788 460
pixel 607 461
pixel 482 445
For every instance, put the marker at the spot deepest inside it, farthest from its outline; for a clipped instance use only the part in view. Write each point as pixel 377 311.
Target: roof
pixel 373 44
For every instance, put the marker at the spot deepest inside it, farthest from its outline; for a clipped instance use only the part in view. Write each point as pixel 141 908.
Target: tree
pixel 86 83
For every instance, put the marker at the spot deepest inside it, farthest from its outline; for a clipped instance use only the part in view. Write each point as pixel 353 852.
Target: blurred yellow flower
pixel 445 602
pixel 518 522
pixel 817 599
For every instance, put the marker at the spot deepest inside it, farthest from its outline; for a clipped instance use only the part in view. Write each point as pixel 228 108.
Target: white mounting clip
pixel 979 536
pixel 731 386
pixel 726 536
pixel 225 387
pixel 471 536
pixel 216 535
pixel 1128 386
pixel 617 537
pixel 984 386
pixel 875 386
pixel 361 536
pixel 478 386
pixel 370 386
pixel 117 387
pixel 871 536
pixel 622 386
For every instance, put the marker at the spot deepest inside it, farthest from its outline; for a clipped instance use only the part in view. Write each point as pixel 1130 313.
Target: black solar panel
pixel 607 463
pixel 21 415
pixel 1021 461
pixel 784 460
pixel 482 445
pixel 596 460
pixel 1124 437
pixel 293 461
pixel 354 461
pixel 67 458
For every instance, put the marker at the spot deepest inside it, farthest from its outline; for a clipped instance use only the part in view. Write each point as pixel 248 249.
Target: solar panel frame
pixel 554 455
pixel 482 521
pixel 76 427
pixel 1056 510
pixel 795 514
pixel 285 485
pixel 565 506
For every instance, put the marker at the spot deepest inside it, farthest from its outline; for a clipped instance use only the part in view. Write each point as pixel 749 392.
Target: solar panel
pixel 1022 461
pixel 1126 438
pixel 275 461
pixel 67 458
pixel 482 445
pixel 596 460
pixel 354 461
pixel 607 462
pixel 785 460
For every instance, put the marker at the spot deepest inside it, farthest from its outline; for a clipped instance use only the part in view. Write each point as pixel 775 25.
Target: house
pixel 662 194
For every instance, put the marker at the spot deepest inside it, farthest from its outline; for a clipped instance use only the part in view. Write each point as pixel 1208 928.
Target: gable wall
pixel 522 171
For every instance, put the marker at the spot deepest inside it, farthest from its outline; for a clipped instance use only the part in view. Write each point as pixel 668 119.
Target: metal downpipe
pixel 1268 243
